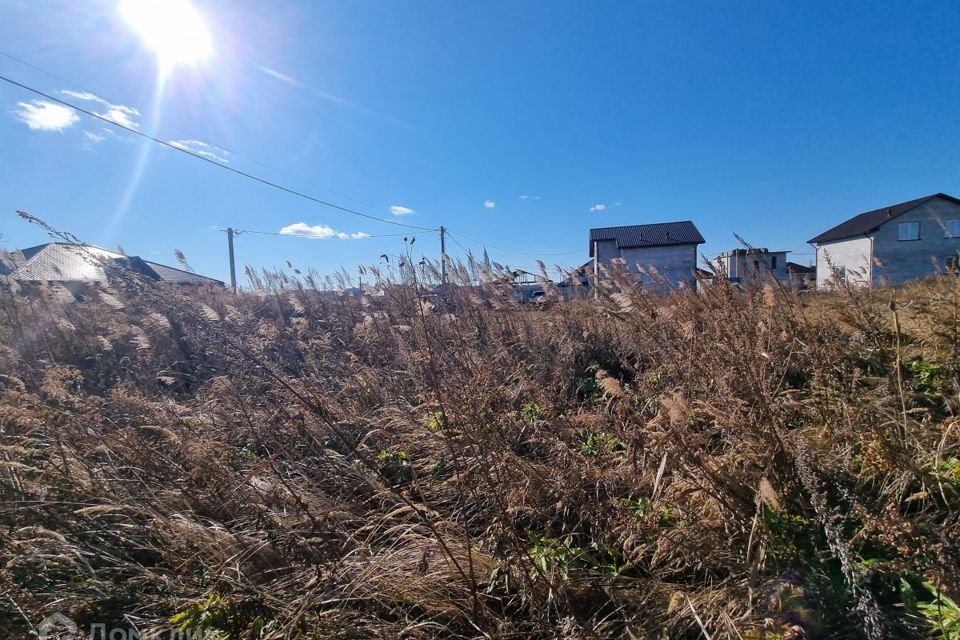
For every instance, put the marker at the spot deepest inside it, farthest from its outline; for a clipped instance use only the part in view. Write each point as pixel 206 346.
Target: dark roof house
pixel 64 262
pixel 869 221
pixel 891 245
pixel 661 256
pixel 659 234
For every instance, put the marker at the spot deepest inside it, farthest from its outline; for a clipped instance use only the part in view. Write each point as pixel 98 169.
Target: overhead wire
pixel 304 235
pixel 529 269
pixel 457 242
pixel 192 135
pixel 251 176
pixel 239 172
pixel 522 253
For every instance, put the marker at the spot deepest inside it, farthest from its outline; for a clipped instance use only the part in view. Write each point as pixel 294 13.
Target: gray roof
pixel 866 222
pixel 660 234
pixel 63 262
pixel 179 276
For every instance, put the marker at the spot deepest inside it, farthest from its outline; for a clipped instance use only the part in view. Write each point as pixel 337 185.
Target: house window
pixel 909 231
pixel 953 228
pixel 773 262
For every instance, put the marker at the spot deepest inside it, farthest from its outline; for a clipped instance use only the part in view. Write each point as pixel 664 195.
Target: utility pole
pixel 443 256
pixel 596 270
pixel 233 268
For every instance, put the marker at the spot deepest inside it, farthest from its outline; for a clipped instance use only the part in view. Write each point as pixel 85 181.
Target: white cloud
pixel 94 137
pixel 397 210
pixel 489 204
pixel 203 149
pixel 49 116
pixel 617 203
pixel 82 95
pixel 320 232
pixel 598 207
pixel 529 197
pixel 121 116
pixel 41 115
pixel 119 113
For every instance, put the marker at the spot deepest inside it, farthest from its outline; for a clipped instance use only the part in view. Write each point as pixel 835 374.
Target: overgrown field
pixel 280 464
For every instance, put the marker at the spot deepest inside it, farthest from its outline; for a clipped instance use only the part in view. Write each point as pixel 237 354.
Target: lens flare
pixel 173 29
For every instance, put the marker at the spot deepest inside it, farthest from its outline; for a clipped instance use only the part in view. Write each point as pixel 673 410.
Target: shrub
pixel 745 463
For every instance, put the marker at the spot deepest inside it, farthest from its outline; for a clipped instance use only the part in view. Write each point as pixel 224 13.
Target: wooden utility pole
pixel 233 268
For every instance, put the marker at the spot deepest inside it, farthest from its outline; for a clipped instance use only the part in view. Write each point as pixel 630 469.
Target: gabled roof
pixel 661 234
pixel 177 276
pixel 871 220
pixel 63 262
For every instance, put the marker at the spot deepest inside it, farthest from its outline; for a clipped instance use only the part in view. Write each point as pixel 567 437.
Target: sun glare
pixel 173 29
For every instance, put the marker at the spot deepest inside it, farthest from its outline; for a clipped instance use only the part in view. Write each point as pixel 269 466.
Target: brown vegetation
pixel 728 464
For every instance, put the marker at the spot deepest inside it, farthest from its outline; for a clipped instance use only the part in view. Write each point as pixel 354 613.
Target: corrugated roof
pixel 870 220
pixel 659 234
pixel 62 262
pixel 179 276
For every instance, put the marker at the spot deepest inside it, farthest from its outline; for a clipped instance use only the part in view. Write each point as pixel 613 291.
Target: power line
pixel 304 235
pixel 457 242
pixel 248 175
pixel 239 172
pixel 180 129
pixel 521 253
pixel 528 268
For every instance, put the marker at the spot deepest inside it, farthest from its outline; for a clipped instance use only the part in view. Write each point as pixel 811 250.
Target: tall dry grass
pixel 285 464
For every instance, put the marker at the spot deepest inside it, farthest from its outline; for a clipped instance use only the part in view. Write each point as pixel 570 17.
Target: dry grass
pixel 730 464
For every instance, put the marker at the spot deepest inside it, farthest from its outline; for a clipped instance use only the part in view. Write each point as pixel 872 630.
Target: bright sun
pixel 173 29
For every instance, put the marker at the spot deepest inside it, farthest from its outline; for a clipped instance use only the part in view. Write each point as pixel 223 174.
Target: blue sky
pixel 508 122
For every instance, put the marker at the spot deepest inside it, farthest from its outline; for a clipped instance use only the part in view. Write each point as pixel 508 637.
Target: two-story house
pixel 661 255
pixel 892 245
pixel 751 264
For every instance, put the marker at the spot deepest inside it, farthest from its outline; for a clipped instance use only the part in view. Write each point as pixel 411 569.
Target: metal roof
pixel 871 220
pixel 179 276
pixel 660 234
pixel 63 262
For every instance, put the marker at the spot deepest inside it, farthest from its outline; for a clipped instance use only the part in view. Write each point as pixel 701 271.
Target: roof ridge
pixel 651 234
pixel 642 224
pixel 867 221
pixel 79 245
